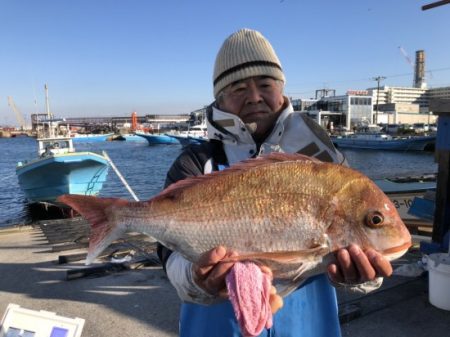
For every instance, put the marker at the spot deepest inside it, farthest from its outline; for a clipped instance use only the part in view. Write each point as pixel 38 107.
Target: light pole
pixel 378 79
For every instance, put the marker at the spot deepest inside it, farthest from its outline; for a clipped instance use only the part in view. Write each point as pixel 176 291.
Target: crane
pixel 408 59
pixel 19 115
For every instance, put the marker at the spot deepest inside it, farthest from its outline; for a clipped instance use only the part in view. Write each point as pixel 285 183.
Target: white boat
pixel 194 135
pixel 90 137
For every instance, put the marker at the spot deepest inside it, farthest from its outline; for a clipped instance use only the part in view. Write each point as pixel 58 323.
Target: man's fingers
pixel 215 280
pixel 208 260
pixel 275 300
pixel 335 273
pixel 362 263
pixel 266 270
pixel 210 272
pixel 346 266
pixel 382 266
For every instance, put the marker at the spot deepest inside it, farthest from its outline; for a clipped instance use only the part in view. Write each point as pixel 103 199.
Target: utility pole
pixel 378 79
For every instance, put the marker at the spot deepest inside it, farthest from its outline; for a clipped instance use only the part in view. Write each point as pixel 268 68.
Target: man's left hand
pixel 354 266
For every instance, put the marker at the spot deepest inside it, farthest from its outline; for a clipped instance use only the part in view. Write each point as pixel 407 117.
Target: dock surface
pixel 141 301
pixel 134 303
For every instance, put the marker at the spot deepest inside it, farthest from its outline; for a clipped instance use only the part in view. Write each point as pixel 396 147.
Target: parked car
pixel 420 127
pixel 391 128
pixel 406 129
pixel 432 128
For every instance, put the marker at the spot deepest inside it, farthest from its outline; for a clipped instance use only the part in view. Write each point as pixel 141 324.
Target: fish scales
pixel 242 211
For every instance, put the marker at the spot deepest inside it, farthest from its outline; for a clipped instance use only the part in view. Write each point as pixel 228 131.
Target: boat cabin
pixel 54 146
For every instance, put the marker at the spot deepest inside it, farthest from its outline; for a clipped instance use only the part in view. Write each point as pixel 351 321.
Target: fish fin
pixel 291 267
pixel 174 189
pixel 285 287
pixel 96 210
pixel 282 156
pixel 282 257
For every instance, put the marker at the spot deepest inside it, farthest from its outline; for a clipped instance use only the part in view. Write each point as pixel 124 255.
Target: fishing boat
pixel 131 137
pixel 381 141
pixel 158 138
pixel 58 168
pixel 404 190
pixel 90 137
pixel 197 134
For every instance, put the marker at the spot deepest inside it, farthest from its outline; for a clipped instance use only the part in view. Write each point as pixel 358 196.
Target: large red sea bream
pixel 284 211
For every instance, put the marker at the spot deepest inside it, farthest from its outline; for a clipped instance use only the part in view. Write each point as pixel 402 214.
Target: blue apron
pixel 309 311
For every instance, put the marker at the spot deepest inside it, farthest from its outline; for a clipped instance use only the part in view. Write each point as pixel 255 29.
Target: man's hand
pixel 210 272
pixel 355 266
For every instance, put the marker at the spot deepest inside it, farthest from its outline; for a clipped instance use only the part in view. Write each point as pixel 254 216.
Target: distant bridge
pixel 115 121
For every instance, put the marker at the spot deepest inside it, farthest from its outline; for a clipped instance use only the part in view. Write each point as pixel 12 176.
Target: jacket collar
pixel 230 129
pixel 238 144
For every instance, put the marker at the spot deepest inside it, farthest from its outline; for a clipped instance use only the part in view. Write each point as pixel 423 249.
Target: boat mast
pixel 47 105
pixel 49 114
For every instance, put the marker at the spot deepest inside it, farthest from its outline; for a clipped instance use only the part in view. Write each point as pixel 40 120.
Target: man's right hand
pixel 210 273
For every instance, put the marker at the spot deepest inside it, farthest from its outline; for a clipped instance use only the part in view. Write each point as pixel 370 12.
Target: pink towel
pixel 249 292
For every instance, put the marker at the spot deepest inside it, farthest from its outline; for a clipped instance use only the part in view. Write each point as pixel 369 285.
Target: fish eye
pixel 374 219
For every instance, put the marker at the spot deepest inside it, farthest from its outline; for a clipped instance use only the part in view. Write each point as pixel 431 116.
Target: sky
pixel 113 57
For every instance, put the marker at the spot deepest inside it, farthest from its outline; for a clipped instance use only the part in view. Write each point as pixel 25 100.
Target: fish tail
pixel 104 230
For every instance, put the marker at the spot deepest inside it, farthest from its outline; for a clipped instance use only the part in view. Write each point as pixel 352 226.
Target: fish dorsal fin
pixel 274 157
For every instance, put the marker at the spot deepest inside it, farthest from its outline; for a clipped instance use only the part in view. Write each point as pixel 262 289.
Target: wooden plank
pixel 110 268
pixel 63 259
pixel 70 246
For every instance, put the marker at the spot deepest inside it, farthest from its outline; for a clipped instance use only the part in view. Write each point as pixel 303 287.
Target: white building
pixel 443 93
pixel 348 110
pixel 388 105
pixel 402 95
pixel 409 95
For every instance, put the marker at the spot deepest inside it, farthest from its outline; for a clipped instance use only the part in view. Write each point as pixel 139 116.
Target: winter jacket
pixel 311 310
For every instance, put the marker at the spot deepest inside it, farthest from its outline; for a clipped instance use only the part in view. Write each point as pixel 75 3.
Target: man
pixel 250 117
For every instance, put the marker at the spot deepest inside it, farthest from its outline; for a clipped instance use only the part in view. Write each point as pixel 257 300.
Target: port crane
pixel 19 116
pixel 405 55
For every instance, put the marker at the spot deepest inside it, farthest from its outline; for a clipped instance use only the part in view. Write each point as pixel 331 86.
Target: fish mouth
pixel 397 251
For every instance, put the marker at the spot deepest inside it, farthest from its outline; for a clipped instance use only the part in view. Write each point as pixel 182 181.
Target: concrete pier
pixel 129 304
pixel 141 302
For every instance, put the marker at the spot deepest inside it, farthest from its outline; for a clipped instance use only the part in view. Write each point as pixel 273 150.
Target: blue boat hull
pixel 133 138
pixel 404 144
pixel 154 139
pixel 92 138
pixel 45 179
pixel 187 140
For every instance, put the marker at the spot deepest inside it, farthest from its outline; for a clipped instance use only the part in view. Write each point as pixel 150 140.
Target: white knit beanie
pixel 245 54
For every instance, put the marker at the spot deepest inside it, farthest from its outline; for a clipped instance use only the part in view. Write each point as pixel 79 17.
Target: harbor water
pixel 144 167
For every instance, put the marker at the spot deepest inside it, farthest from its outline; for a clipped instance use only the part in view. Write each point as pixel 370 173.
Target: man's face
pixel 255 100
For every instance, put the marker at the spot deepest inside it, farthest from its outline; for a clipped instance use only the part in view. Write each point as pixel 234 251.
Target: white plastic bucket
pixel 439 280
